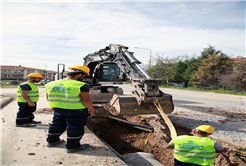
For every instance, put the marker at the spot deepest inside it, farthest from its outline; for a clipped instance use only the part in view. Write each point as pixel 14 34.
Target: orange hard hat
pixel 82 68
pixel 35 75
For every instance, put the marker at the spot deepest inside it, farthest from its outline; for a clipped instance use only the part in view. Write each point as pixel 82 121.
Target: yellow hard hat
pixel 82 68
pixel 35 75
pixel 206 128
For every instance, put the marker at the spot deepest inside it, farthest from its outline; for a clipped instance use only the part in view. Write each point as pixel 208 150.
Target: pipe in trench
pixel 135 125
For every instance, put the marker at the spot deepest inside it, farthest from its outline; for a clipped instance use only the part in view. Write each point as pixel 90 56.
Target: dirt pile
pixel 126 139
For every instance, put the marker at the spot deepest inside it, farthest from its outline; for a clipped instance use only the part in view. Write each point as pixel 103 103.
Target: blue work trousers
pixel 73 120
pixel 25 113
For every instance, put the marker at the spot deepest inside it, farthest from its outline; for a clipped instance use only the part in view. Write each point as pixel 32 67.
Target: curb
pixel 5 101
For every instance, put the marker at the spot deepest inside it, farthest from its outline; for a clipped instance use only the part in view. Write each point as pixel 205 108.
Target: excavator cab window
pixel 110 72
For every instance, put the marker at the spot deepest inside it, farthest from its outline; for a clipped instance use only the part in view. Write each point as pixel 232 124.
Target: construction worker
pixel 197 149
pixel 71 101
pixel 27 97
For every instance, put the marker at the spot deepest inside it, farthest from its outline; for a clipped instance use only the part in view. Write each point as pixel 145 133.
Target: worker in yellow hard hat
pixel 72 106
pixel 197 149
pixel 27 98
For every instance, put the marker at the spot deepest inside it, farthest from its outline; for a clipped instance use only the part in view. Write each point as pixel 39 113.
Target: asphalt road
pixel 202 99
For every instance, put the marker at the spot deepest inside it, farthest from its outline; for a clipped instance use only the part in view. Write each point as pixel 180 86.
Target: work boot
pixel 53 144
pixel 25 125
pixel 82 147
pixel 34 122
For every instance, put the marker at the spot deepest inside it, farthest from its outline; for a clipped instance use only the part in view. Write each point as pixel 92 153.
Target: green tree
pixel 191 69
pixel 210 50
pixel 184 70
pixel 211 68
pixel 178 71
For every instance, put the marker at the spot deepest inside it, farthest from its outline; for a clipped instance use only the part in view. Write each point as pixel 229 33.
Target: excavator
pixel 114 65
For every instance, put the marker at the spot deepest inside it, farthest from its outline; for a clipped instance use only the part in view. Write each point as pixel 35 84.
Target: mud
pixel 126 139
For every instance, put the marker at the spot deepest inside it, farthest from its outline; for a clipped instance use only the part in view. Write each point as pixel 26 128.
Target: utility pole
pixel 45 74
pixel 149 54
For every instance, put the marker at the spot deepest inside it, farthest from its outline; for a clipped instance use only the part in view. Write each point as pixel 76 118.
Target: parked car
pixel 14 82
pixel 43 82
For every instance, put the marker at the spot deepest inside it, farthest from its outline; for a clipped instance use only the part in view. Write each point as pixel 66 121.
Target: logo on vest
pixel 190 145
pixel 60 89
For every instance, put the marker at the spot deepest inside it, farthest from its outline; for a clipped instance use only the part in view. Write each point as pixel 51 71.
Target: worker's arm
pixel 220 151
pixel 86 100
pixel 218 147
pixel 24 95
pixel 169 146
pixel 47 96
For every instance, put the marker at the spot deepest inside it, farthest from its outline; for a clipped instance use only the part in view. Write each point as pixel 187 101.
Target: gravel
pixel 229 124
pixel 226 132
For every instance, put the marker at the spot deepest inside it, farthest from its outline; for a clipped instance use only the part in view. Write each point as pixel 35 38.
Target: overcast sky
pixel 43 34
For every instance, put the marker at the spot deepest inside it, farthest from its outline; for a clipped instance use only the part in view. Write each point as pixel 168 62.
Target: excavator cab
pixel 110 72
pixel 104 73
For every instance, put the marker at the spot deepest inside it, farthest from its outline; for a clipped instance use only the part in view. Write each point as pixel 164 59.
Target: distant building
pixel 238 60
pixel 19 73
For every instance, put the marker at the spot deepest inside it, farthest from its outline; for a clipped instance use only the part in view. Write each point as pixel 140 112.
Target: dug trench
pixel 127 138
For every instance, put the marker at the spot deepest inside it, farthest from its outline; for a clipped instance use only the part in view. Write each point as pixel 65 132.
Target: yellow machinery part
pixel 127 105
pixel 167 120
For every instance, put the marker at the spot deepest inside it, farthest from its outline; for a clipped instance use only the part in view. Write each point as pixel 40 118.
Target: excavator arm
pixel 145 87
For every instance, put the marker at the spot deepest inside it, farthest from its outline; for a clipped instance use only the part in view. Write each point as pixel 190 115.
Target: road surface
pixel 203 99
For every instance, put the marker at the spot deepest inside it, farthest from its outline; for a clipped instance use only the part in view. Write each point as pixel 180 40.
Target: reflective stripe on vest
pixel 65 94
pixel 74 137
pixel 197 150
pixel 33 94
pixel 64 101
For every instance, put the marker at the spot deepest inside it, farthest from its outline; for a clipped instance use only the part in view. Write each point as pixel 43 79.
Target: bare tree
pixel 163 67
pixel 237 78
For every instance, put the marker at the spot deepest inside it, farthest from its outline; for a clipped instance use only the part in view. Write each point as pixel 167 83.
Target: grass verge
pixel 220 91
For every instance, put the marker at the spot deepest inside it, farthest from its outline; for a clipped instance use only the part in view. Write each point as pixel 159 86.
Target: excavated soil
pixel 125 138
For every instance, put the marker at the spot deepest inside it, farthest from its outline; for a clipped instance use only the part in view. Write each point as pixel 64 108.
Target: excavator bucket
pixel 98 97
pixel 104 94
pixel 128 105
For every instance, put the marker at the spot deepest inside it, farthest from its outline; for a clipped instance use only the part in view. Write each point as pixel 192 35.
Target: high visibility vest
pixel 33 94
pixel 191 149
pixel 64 94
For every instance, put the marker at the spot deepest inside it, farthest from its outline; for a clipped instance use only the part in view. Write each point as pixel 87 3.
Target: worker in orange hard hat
pixel 27 98
pixel 79 68
pixel 72 106
pixel 197 149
